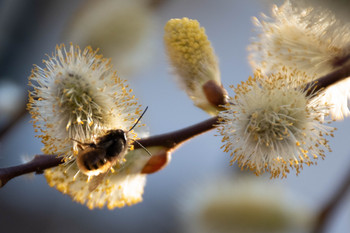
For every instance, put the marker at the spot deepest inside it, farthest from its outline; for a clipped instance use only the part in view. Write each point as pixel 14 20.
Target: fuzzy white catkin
pixel 307 38
pixel 272 126
pixel 245 204
pixel 79 96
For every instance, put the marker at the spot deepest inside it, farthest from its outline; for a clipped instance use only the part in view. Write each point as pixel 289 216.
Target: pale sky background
pixel 29 204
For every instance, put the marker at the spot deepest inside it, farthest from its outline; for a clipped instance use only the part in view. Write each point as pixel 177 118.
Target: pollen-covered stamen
pixel 77 101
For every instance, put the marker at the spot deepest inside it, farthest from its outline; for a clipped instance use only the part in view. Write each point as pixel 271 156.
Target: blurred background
pixel 131 33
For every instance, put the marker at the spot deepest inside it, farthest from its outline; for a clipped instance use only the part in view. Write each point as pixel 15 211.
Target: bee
pixel 96 159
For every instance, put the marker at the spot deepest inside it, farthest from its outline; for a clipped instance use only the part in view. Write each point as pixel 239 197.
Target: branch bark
pixel 37 165
pixel 169 140
pixel 328 80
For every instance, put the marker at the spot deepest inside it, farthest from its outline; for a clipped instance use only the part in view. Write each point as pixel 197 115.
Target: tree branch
pixel 328 80
pixel 169 140
pixel 37 165
pixel 173 139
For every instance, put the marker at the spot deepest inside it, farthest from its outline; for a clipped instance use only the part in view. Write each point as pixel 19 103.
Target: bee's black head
pixel 116 133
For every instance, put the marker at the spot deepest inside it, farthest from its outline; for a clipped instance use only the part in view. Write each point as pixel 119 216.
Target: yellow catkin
pixel 192 57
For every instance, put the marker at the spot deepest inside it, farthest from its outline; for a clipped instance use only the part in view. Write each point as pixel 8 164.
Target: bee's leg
pixel 70 165
pixel 95 181
pixel 80 147
pixel 76 174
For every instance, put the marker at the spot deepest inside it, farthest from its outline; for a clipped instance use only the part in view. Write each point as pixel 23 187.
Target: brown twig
pixel 329 208
pixel 169 140
pixel 173 139
pixel 37 165
pixel 328 80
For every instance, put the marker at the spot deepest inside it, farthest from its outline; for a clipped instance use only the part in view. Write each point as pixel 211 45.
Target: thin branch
pixel 169 140
pixel 328 209
pixel 173 139
pixel 328 80
pixel 340 61
pixel 37 165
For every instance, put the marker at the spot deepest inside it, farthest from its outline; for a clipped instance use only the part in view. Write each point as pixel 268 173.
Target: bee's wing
pixel 95 181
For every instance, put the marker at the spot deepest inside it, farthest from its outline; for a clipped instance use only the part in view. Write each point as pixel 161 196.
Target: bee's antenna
pixel 134 127
pixel 138 119
pixel 149 153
